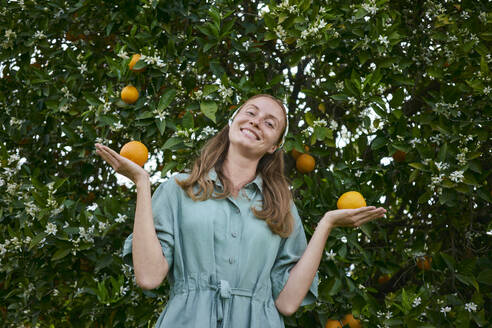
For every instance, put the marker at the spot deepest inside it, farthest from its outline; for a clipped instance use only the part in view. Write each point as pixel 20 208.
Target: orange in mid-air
pixel 333 324
pixel 384 279
pixel 424 263
pixel 129 94
pixel 351 321
pixel 351 199
pixel 133 61
pixel 399 156
pixel 136 152
pixel 296 154
pixel 305 163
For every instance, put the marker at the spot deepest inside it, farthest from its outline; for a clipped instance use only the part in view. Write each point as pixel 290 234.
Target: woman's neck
pixel 239 171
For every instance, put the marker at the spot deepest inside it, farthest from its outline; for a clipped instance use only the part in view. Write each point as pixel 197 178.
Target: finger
pixel 369 218
pixel 107 157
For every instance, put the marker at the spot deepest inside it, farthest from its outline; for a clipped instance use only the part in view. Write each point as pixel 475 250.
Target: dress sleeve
pixel 164 202
pixel 290 251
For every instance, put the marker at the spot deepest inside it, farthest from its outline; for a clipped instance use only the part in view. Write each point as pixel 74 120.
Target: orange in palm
pixel 136 152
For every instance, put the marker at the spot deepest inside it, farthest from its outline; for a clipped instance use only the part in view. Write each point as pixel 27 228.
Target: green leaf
pixel 341 97
pixel 418 166
pixel 210 88
pixel 37 239
pixel 378 142
pixel 309 118
pixel 441 156
pixel 166 98
pixel 397 99
pixel 144 115
pixel 188 120
pixel 468 280
pixel 450 262
pixel 61 253
pixel 139 65
pixel 485 277
pixel 171 142
pixel 161 126
pixel 209 108
pixel 169 166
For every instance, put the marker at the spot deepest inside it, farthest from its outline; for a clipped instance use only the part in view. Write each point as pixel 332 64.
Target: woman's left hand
pixel 352 217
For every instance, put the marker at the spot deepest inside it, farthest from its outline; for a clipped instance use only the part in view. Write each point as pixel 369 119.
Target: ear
pixel 273 149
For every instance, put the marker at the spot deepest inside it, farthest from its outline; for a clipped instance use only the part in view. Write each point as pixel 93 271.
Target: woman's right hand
pixel 121 164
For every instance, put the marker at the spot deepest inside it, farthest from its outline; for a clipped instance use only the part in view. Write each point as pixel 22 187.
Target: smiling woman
pixel 228 234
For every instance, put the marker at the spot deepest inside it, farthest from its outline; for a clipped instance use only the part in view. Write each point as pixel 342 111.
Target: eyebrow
pixel 268 115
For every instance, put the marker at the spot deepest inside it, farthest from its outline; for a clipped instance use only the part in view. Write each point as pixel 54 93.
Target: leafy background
pixel 362 80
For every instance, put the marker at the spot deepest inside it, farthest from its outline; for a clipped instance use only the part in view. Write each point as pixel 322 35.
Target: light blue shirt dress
pixel 226 266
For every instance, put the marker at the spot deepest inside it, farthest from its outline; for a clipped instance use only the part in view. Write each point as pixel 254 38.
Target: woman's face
pixel 258 126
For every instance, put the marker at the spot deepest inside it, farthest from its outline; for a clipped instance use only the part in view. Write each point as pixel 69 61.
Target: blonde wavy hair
pixel 277 196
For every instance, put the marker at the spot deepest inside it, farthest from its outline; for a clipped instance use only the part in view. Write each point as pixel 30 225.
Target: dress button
pixel 231 260
pixel 234 234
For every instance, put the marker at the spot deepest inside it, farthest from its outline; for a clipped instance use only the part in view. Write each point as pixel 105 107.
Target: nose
pixel 254 121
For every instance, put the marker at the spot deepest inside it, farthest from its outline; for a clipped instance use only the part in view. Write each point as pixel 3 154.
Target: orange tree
pixel 363 80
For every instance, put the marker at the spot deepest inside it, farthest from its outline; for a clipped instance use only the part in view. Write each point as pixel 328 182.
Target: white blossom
pixel 471 307
pixel 487 90
pixel 280 32
pixel 461 157
pixel 39 35
pixel 225 92
pixel 456 176
pixel 123 54
pixel 416 302
pixel 331 255
pixel 370 7
pixel 247 44
pixel 352 101
pixel 121 218
pixel 83 68
pixel 209 131
pixel 445 310
pixel 383 40
pixel 483 17
pixel 319 123
pixel 442 166
pixel 102 226
pixel 51 229
pixel 9 34
pixel 343 239
pixel 339 85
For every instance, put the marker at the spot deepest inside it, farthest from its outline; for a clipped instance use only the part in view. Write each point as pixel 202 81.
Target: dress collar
pixel 258 181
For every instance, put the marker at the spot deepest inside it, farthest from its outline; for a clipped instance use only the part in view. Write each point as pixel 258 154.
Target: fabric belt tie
pixel 223 298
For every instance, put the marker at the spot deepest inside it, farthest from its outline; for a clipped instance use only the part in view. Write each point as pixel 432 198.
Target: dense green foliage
pixel 362 79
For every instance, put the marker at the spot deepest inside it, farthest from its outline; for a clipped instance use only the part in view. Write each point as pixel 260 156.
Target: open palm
pixel 353 217
pixel 121 164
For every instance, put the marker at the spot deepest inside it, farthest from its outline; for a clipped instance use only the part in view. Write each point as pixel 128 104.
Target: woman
pixel 228 235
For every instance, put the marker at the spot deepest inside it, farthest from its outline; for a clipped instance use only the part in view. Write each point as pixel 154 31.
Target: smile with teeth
pixel 249 134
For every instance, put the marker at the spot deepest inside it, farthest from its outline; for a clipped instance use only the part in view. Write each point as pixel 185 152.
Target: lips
pixel 250 132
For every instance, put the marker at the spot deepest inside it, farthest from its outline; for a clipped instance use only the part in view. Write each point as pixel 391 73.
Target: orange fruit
pixel 424 263
pixel 351 321
pixel 136 152
pixel 351 199
pixel 399 156
pixel 333 324
pixel 129 94
pixel 133 61
pixel 383 279
pixel 305 163
pixel 296 154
